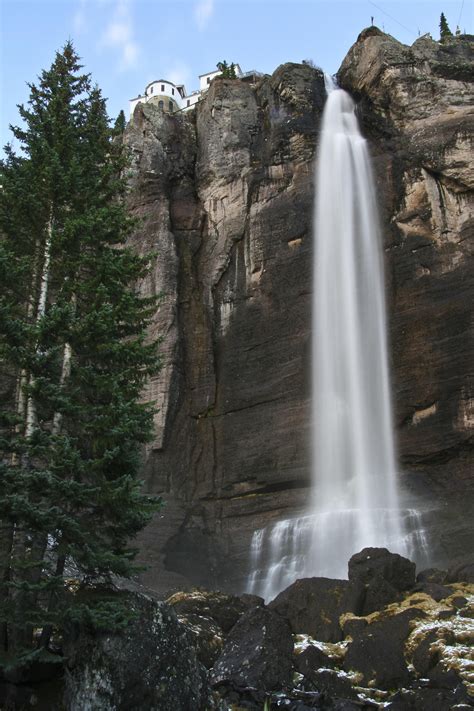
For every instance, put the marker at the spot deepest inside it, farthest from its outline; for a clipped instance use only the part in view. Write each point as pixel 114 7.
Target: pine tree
pixel 74 358
pixel 120 123
pixel 444 31
pixel 227 71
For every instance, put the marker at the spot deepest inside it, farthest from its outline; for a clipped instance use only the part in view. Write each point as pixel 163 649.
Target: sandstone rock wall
pixel 417 106
pixel 225 196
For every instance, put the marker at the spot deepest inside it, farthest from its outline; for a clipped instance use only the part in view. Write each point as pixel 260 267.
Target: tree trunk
pixel 27 548
pixel 40 311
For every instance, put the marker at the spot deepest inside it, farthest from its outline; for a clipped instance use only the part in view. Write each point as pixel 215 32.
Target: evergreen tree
pixel 444 31
pixel 227 71
pixel 74 360
pixel 120 123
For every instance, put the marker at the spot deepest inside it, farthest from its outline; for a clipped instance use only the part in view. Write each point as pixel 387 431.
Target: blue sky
pixel 127 43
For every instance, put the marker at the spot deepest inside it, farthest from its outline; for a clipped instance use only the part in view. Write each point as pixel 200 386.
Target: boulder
pixel 333 685
pixel 353 626
pixel 432 575
pixel 378 593
pixel 207 636
pixel 313 606
pixel 459 601
pixel 311 659
pixel 425 655
pixel 426 699
pixel 370 563
pixel 434 590
pixel 257 653
pixel 378 652
pixel 151 664
pixel 224 609
pixel 461 572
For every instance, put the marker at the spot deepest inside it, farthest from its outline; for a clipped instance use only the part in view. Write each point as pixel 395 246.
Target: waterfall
pixel 354 501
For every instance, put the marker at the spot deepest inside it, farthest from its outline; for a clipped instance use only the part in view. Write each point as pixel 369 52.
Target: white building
pixel 172 97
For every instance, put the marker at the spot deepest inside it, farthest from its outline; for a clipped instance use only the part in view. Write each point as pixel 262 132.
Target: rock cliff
pixel 225 200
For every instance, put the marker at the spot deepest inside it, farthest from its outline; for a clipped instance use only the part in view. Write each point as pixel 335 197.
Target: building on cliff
pixel 173 97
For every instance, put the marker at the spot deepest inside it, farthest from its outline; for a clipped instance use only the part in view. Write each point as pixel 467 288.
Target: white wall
pixel 165 89
pixel 203 83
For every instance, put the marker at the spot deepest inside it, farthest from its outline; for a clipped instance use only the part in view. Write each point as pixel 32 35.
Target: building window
pixel 171 106
pixel 172 91
pixel 189 103
pixel 162 87
pixel 208 80
pixel 161 105
pixel 151 90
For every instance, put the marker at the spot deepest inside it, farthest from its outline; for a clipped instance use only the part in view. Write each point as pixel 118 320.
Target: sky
pixel 124 44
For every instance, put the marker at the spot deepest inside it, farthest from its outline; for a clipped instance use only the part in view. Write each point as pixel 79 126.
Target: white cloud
pixel 203 11
pixel 119 34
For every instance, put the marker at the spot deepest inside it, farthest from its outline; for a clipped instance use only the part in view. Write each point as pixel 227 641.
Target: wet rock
pixel 377 654
pixel 461 573
pixel 370 563
pixel 440 650
pixel 230 696
pixel 446 614
pixel 443 677
pixel 347 705
pixel 224 609
pixel 313 606
pixel 424 699
pixel 467 612
pixel 377 594
pixel 425 656
pixel 432 575
pixel 434 590
pixel 311 659
pixel 152 664
pixel 257 653
pixel 207 636
pixel 458 601
pixel 333 685
pixel 353 626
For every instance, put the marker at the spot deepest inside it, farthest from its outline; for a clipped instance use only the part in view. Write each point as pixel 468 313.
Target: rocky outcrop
pixel 209 616
pixel 149 665
pixel 314 606
pixel 403 655
pixel 225 197
pixel 258 653
pixel 382 576
pixel 226 202
pixel 148 662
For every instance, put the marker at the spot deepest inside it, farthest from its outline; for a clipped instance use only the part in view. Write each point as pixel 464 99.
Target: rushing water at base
pixel 355 501
pixel 322 543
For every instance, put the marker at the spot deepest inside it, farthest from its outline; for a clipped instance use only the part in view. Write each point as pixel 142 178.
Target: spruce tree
pixel 74 359
pixel 120 123
pixel 444 31
pixel 227 71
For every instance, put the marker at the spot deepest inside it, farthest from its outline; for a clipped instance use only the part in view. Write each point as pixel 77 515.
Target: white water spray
pixel 355 501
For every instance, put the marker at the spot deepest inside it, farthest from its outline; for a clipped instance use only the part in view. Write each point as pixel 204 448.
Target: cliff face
pixel 416 106
pixel 226 199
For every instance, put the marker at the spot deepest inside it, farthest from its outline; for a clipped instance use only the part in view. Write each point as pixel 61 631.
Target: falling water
pixel 355 501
